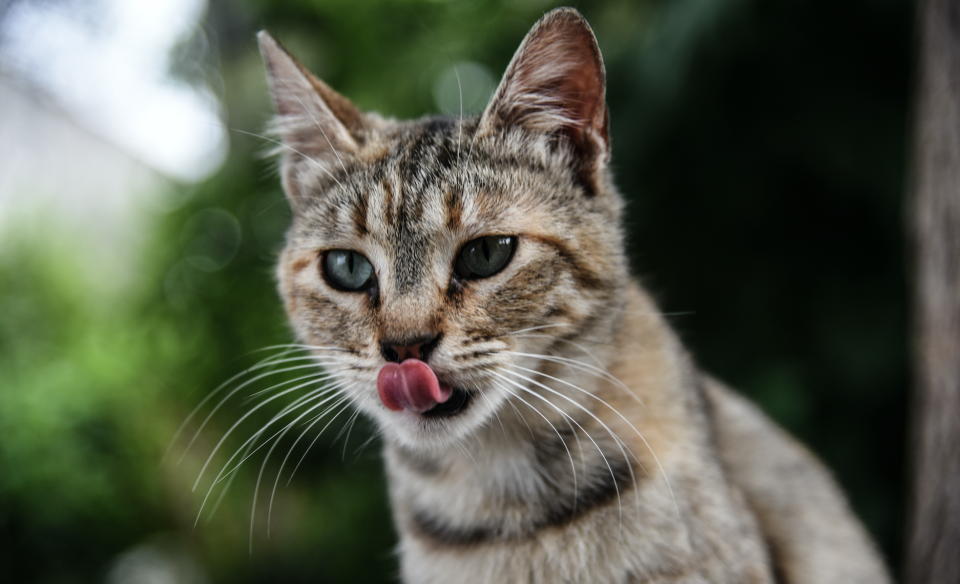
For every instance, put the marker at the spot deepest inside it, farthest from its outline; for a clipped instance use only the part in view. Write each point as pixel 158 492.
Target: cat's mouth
pixel 412 386
pixel 459 400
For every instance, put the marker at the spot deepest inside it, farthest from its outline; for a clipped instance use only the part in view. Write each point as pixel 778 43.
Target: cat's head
pixel 434 263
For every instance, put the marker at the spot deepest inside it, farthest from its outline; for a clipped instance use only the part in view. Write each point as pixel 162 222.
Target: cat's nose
pixel 420 347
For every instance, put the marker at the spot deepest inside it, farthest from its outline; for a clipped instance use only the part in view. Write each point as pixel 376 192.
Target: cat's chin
pixel 439 427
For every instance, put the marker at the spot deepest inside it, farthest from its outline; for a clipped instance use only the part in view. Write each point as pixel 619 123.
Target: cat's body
pixel 465 282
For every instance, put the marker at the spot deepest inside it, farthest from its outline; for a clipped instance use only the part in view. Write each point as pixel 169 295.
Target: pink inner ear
pixel 555 82
pixel 564 65
pixel 411 386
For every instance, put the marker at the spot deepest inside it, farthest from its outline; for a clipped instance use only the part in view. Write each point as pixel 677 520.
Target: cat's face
pixel 468 245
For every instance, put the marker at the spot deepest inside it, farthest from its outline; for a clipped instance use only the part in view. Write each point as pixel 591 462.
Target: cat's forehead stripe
pixel 360 214
pixel 387 202
pixel 454 207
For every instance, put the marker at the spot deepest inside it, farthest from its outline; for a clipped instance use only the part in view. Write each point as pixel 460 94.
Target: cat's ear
pixel 555 84
pixel 312 119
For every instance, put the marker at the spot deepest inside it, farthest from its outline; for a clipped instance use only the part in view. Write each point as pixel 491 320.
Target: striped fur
pixel 590 448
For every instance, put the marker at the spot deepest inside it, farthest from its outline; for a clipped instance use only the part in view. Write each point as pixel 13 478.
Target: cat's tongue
pixel 410 385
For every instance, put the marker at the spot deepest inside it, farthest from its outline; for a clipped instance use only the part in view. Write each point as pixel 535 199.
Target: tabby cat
pixel 463 281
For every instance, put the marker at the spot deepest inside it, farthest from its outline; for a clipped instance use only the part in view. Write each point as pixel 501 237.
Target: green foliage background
pixel 761 146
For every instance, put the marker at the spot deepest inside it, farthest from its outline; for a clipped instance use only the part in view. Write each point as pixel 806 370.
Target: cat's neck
pixel 568 439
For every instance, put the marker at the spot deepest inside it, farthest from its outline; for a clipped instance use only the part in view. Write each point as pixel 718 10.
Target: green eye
pixel 347 269
pixel 485 256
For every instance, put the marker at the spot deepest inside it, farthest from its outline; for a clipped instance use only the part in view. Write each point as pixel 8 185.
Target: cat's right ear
pixel 555 84
pixel 313 120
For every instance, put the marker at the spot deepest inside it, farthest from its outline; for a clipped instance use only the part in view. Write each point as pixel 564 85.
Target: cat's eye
pixel 485 256
pixel 347 270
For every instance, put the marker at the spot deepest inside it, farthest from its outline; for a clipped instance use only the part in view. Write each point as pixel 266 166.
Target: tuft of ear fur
pixel 555 84
pixel 312 120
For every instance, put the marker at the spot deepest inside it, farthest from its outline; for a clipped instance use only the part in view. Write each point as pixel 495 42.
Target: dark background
pixel 762 147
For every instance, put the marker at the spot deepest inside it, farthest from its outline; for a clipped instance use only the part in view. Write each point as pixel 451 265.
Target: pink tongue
pixel 411 385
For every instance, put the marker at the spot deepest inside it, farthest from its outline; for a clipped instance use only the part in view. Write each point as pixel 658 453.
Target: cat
pixel 464 283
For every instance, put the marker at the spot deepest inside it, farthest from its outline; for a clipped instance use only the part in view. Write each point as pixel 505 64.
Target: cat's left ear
pixel 555 84
pixel 313 119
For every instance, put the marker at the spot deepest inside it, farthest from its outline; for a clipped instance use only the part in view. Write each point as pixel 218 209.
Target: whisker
pixel 367 442
pixel 312 395
pixel 257 394
pixel 576 437
pixel 313 422
pixel 618 440
pixel 314 347
pixel 620 443
pixel 529 429
pixel 494 410
pixel 346 440
pixel 463 450
pixel 234 392
pixel 237 423
pixel 586 368
pixel 622 309
pixel 319 127
pixel 615 411
pixel 266 458
pixel 260 365
pixel 535 328
pixel 256 489
pixel 585 352
pixel 613 475
pixel 573 465
pixel 282 145
pixel 317 437
pixel 460 121
pixel 223 491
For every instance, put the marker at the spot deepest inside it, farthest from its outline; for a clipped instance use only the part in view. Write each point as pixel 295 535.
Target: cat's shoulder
pixel 810 528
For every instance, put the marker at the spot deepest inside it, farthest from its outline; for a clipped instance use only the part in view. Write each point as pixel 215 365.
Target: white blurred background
pixel 102 109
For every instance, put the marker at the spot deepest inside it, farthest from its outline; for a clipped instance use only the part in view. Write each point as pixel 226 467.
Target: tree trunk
pixel 933 546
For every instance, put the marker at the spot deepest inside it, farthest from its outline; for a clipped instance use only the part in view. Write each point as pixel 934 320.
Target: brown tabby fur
pixel 591 448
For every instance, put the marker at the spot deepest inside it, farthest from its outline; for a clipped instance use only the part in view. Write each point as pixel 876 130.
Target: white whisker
pixel 624 449
pixel 237 423
pixel 535 328
pixel 494 410
pixel 268 362
pixel 313 421
pixel 282 145
pixel 231 394
pixel 312 395
pixel 223 491
pixel 573 364
pixel 253 396
pixel 315 394
pixel 322 430
pixel 350 421
pixel 573 465
pixel 460 120
pixel 367 442
pixel 614 410
pixel 319 127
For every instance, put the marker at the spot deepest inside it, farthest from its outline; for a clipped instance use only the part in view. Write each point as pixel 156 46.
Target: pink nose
pixel 405 352
pixel 415 346
pixel 410 385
